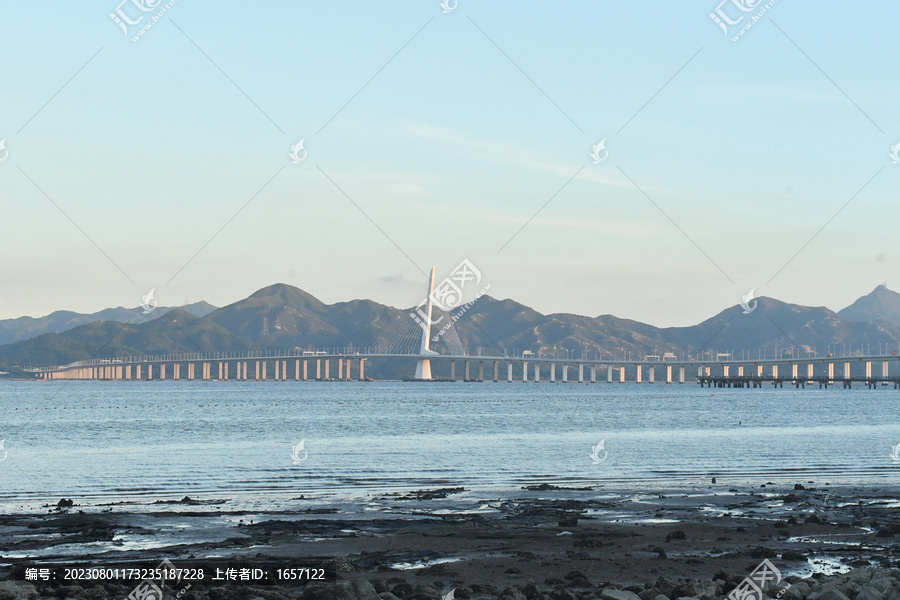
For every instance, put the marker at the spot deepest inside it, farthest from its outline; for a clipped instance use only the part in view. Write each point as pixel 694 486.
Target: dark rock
pixel 665 586
pixel 762 552
pixel 578 578
pixel 676 535
pixel 614 594
pixel 68 591
pixel 312 592
pixel 792 555
pixel 439 570
pixel 563 594
pixel 363 590
pixel 512 593
pixel 691 588
pixel 340 564
pixel 402 590
pixel 379 585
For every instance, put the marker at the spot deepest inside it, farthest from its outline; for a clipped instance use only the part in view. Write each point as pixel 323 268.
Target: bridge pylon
pixel 423 365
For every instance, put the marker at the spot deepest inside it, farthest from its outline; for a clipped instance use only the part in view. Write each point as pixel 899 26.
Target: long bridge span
pixel 324 365
pixel 342 366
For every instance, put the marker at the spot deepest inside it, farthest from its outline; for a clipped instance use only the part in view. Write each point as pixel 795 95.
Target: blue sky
pixel 742 152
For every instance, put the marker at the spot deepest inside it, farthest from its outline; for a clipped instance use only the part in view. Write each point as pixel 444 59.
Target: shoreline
pixel 540 535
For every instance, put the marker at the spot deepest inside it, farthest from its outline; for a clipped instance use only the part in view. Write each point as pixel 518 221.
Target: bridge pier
pixel 552 372
pixel 580 372
pixel 537 372
pixel 651 374
pixel 524 371
pixel 480 370
pixel 496 370
pixel 565 373
pixel 637 377
pixel 681 375
pixel 452 370
pixel 362 369
pixel 509 367
pixel 468 377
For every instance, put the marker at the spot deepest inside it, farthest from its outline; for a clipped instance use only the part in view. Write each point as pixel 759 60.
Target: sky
pixel 164 160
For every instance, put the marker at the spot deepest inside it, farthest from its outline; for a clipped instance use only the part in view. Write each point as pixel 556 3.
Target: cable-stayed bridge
pixel 410 339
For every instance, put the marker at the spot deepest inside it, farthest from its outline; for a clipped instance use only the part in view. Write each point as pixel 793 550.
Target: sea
pixel 271 445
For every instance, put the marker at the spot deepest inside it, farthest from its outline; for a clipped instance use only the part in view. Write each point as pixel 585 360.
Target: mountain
pixel 882 304
pixel 176 331
pixel 24 328
pixel 283 317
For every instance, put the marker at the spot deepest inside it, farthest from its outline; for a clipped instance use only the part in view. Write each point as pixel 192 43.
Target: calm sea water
pixel 103 442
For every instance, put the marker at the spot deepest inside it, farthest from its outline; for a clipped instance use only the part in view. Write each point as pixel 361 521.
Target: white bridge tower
pixel 423 366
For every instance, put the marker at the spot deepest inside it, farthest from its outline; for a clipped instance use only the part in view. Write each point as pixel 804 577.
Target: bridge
pixel 339 366
pixel 305 365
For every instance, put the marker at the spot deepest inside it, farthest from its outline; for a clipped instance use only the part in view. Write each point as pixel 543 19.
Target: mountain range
pixel 283 317
pixel 24 328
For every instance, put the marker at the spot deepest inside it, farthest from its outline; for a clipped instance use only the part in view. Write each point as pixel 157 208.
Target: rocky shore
pixel 827 543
